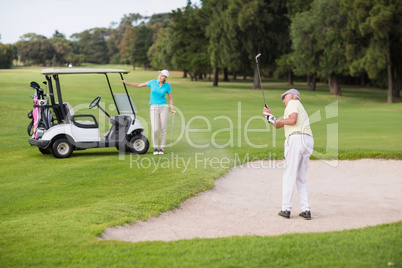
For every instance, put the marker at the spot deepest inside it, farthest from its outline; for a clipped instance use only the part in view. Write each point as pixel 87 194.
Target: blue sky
pixel 44 17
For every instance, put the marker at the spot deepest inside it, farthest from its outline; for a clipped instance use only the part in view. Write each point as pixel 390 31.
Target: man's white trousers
pixel 298 149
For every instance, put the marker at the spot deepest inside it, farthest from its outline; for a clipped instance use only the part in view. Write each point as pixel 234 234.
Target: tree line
pixel 334 41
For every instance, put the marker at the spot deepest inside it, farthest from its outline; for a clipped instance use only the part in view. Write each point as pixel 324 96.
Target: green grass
pixel 52 211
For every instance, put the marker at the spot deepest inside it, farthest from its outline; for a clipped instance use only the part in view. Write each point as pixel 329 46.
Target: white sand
pixel 343 195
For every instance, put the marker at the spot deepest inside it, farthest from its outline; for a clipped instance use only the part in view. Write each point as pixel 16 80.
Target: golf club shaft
pixel 259 75
pixel 171 135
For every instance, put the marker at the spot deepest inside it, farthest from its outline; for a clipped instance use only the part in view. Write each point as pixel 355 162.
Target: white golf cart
pixel 57 130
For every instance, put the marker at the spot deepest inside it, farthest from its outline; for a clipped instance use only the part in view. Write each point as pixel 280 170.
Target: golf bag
pixel 41 115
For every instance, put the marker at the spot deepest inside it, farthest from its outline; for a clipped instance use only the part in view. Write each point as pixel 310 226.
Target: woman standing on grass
pixel 159 109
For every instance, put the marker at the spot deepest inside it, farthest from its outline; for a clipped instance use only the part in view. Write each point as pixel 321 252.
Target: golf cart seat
pixel 71 117
pixel 68 108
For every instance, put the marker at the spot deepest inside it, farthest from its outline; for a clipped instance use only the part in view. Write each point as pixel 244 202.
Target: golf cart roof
pixel 52 71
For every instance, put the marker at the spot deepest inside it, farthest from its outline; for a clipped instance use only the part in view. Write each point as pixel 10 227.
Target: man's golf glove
pixel 270 118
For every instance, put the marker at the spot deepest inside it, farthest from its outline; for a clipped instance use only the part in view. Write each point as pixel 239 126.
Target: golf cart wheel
pixel 45 151
pixel 138 144
pixel 62 148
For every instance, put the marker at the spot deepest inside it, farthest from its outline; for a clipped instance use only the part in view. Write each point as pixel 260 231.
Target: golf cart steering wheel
pixel 94 102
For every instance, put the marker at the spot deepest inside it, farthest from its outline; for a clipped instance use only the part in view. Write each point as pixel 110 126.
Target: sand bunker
pixel 343 195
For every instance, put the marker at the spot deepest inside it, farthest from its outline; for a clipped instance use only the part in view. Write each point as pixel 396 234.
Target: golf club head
pixel 256 57
pixel 35 85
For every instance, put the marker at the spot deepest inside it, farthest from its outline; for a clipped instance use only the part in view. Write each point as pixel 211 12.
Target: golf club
pixel 258 69
pixel 171 136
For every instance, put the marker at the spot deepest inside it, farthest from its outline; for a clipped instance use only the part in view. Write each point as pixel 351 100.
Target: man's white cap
pixel 165 73
pixel 293 91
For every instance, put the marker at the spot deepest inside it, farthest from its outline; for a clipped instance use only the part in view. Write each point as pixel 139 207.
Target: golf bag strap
pixel 30 128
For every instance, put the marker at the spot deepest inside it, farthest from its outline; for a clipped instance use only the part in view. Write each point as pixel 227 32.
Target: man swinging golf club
pixel 299 145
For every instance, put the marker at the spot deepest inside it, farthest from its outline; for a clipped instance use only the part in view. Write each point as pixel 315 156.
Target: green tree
pixel 215 33
pixel 160 54
pixel 238 30
pixel 297 6
pixel 266 31
pixel 317 41
pixel 6 56
pixel 141 44
pixel 378 28
pixel 31 36
pixel 92 44
pixel 115 38
pixel 36 51
pixel 297 64
pixel 187 42
pixel 234 55
pixel 137 40
pixel 285 63
pixel 62 48
pixel 305 51
pixel 126 46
